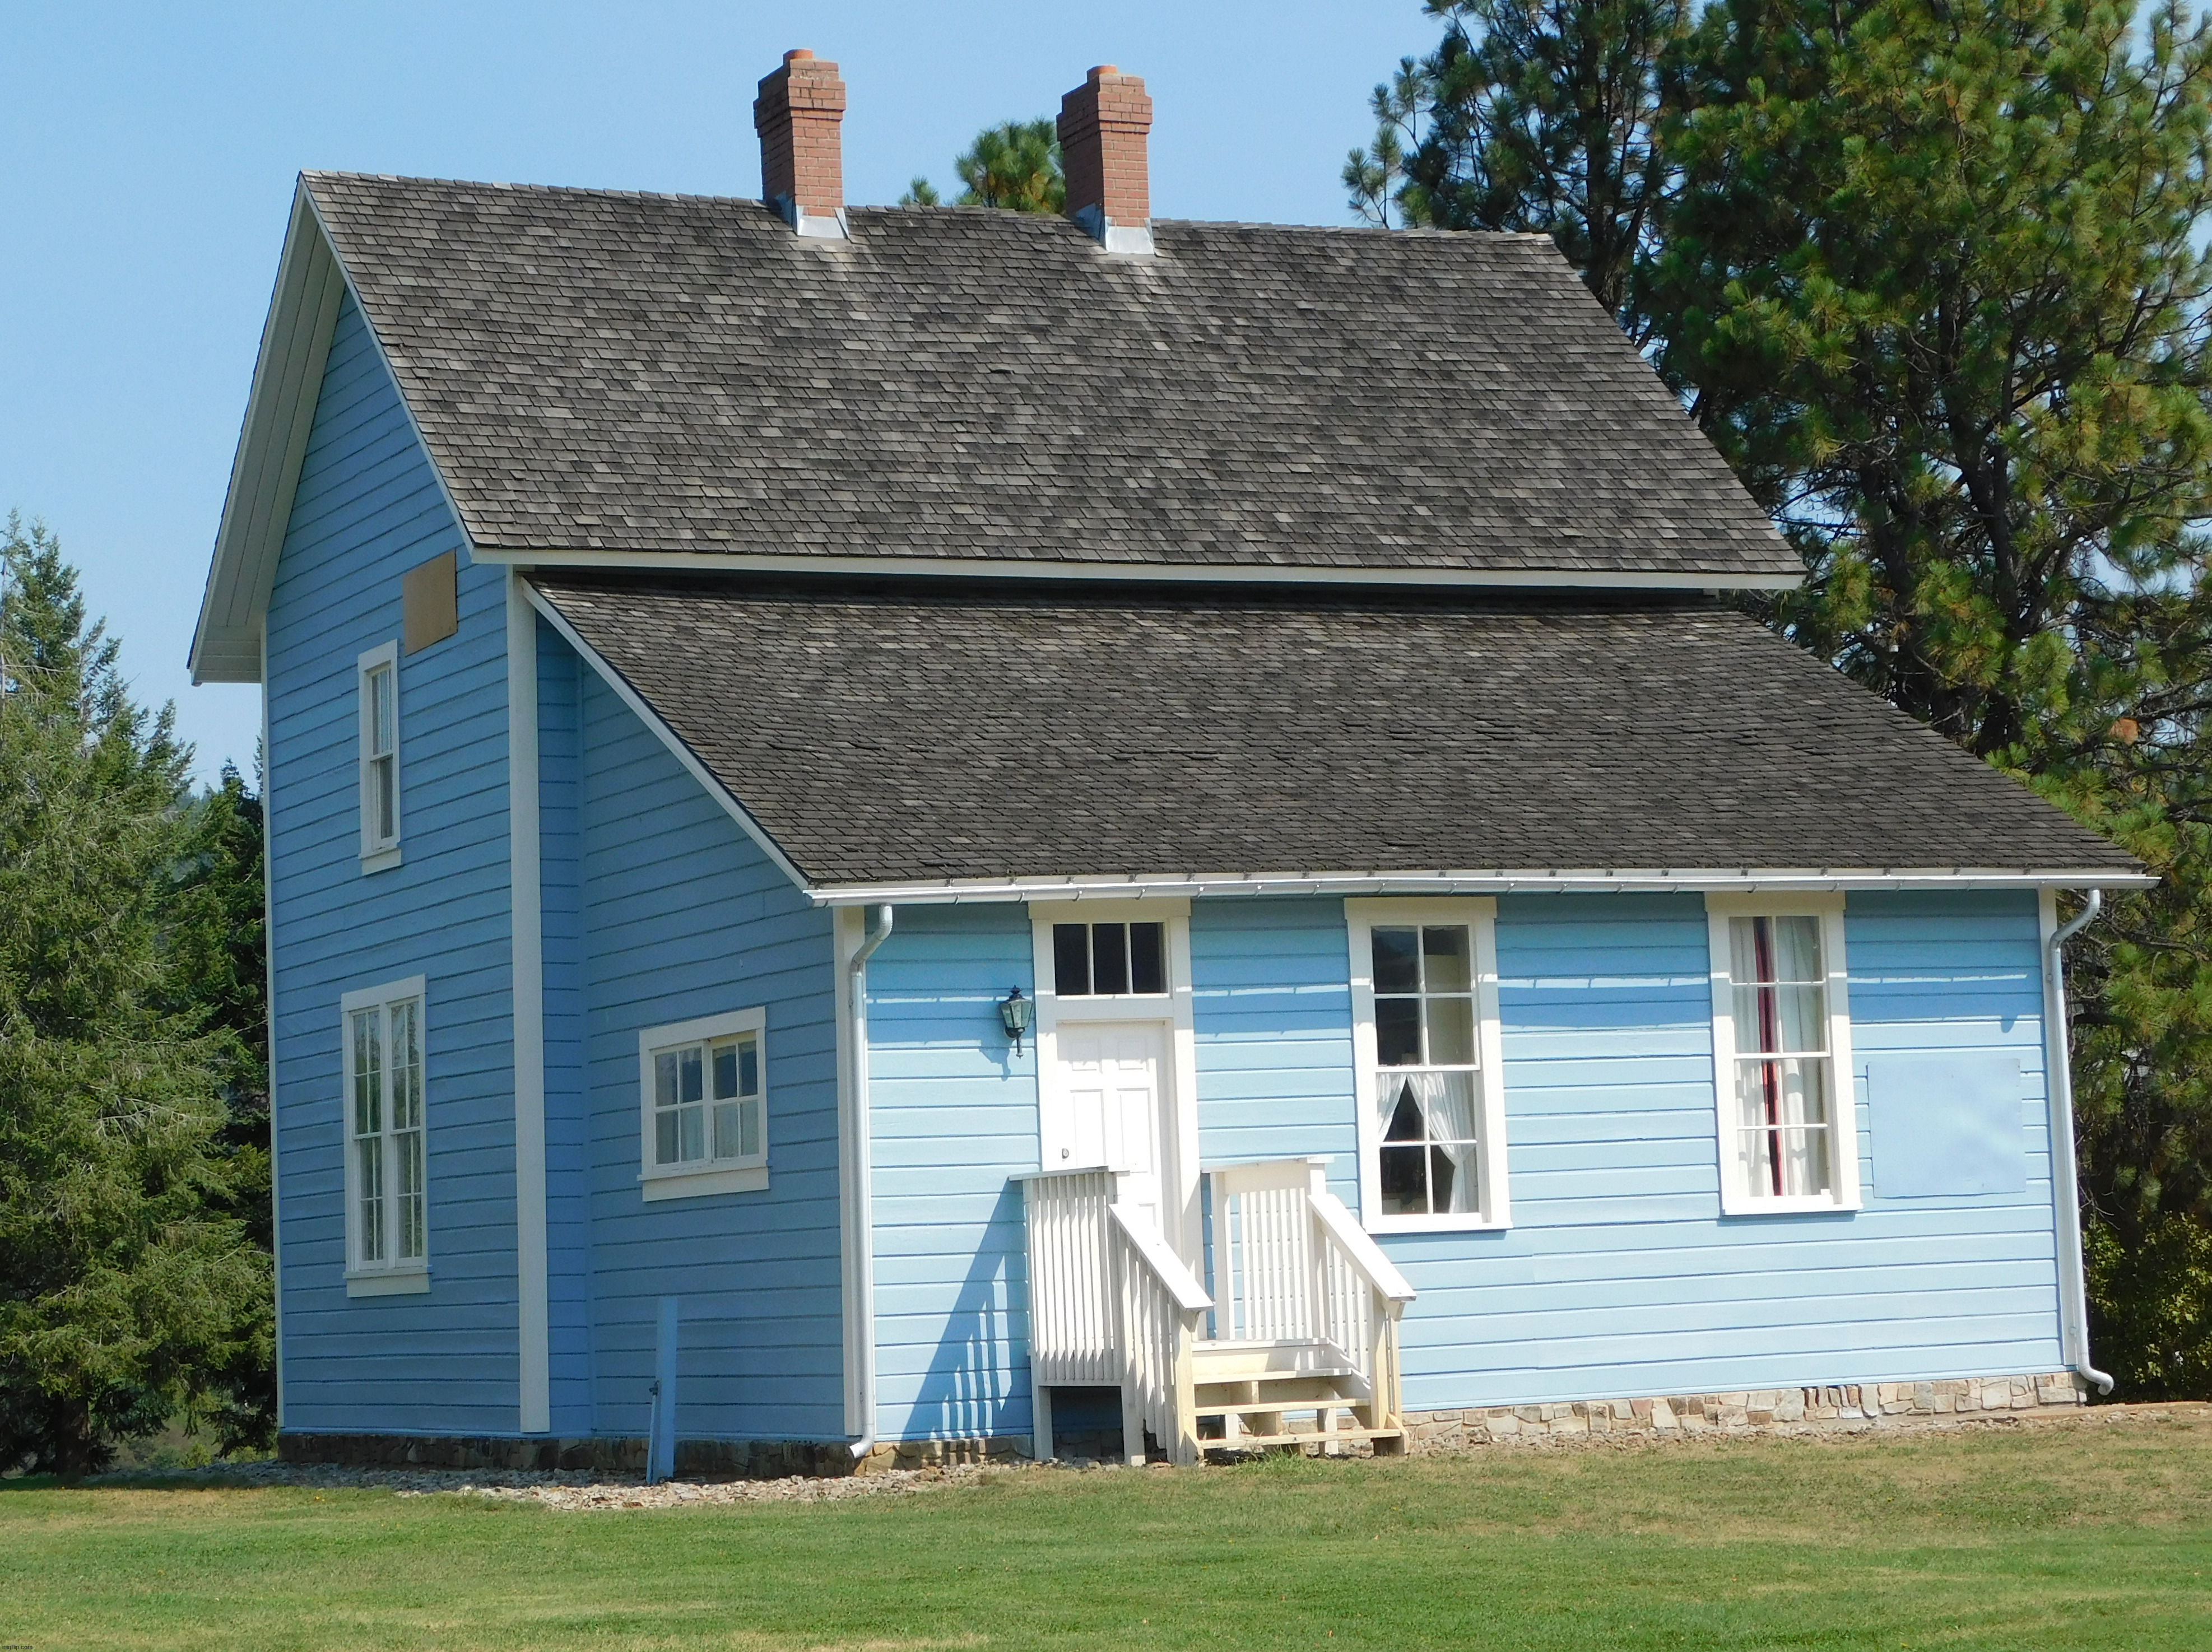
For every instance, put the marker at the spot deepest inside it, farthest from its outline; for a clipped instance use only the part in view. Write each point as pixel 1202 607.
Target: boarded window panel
pixel 1946 1126
pixel 429 606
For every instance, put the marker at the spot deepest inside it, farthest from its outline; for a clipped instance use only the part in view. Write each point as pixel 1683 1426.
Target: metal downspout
pixel 2065 1185
pixel 863 1284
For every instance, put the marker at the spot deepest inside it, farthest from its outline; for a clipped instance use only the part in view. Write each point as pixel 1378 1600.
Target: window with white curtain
pixel 1782 1054
pixel 377 675
pixel 1425 1039
pixel 387 1161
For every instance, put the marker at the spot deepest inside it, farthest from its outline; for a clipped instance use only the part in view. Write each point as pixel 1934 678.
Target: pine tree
pixel 130 1286
pixel 1543 118
pixel 1015 167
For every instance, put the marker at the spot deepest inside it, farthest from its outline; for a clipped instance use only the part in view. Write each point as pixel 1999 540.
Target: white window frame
pixel 739 1174
pixel 378 850
pixel 1737 1198
pixel 392 1275
pixel 1493 1198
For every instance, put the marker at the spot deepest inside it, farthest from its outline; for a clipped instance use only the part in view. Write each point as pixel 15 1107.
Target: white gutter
pixel 860 1304
pixel 957 891
pixel 2065 1187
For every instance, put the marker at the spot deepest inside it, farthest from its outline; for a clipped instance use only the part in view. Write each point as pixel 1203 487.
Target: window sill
pixel 1822 1206
pixel 381 860
pixel 1435 1224
pixel 394 1282
pixel 697 1184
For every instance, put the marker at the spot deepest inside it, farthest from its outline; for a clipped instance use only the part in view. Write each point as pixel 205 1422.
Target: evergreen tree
pixel 1543 118
pixel 1933 277
pixel 130 1286
pixel 1376 178
pixel 1014 165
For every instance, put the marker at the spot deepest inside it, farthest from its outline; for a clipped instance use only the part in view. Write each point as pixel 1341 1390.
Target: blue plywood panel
pixel 367 508
pixel 679 916
pixel 1946 1126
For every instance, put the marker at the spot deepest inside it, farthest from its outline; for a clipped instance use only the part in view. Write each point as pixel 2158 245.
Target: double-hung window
pixel 1782 1054
pixel 1426 1049
pixel 386 1162
pixel 378 689
pixel 703 1091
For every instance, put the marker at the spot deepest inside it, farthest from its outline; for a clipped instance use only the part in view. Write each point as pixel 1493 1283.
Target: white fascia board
pixel 280 414
pixel 668 737
pixel 1012 567
pixel 280 411
pixel 954 891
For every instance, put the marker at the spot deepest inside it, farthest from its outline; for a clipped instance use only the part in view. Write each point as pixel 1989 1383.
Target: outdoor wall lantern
pixel 1014 1014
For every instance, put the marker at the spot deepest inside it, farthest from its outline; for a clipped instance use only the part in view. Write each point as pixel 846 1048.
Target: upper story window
pixel 1782 1054
pixel 386 1169
pixel 1425 1042
pixel 1108 960
pixel 703 1088
pixel 378 690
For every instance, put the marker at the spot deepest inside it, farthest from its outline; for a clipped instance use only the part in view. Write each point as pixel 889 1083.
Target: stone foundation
pixel 695 1460
pixel 1845 1408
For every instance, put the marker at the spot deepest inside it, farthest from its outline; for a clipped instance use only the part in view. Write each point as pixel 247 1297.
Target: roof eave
pixel 876 565
pixel 954 891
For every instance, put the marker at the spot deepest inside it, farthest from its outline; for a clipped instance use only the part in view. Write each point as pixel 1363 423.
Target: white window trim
pixel 1480 914
pixel 1737 1199
pixel 376 853
pixel 1179 1175
pixel 748 1175
pixel 390 1279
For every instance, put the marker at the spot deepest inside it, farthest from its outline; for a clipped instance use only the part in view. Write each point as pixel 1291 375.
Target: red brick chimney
pixel 1103 125
pixel 802 166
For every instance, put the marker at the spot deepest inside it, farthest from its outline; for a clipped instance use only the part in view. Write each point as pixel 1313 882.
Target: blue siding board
pixel 681 915
pixel 953 1115
pixel 368 507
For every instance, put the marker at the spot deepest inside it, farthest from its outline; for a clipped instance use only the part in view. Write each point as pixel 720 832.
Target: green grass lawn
pixel 2090 1536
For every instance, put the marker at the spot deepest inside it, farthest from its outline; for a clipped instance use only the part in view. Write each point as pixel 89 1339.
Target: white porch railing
pixel 1111 1305
pixel 1289 1263
pixel 1298 1287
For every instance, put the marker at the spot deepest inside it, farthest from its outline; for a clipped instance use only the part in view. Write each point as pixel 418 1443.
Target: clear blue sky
pixel 148 151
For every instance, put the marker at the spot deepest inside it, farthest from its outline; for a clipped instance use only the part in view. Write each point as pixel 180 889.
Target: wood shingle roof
pixel 597 370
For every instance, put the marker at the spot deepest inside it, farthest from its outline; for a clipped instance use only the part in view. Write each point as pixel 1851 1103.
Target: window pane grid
pixel 706 1102
pixel 1778 993
pixel 1427 1055
pixel 1111 960
pixel 391 1216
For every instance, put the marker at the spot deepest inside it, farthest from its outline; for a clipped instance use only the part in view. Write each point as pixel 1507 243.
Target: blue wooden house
pixel 936 831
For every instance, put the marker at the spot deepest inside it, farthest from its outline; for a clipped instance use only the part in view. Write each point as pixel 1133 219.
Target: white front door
pixel 1106 1107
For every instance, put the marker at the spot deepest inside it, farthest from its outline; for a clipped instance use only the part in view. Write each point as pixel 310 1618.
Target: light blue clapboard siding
pixel 953 1115
pixel 681 915
pixel 1620 1277
pixel 367 508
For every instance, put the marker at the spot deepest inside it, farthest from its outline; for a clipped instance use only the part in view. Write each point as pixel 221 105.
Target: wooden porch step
pixel 1256 1361
pixel 1245 1442
pixel 1290 1394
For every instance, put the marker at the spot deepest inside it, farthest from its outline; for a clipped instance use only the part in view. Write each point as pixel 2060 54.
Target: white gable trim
pixel 280 410
pixel 877 566
pixel 280 414
pixel 669 738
